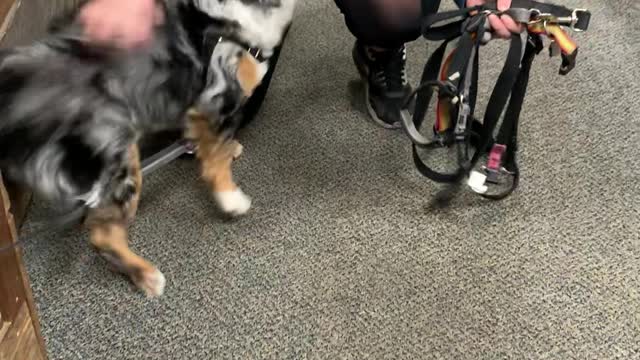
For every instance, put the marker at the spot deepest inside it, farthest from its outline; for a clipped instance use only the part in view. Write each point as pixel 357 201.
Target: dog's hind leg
pixel 135 178
pixel 108 231
pixel 216 155
pixel 216 170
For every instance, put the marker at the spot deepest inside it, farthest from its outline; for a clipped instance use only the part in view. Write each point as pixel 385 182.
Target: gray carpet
pixel 341 256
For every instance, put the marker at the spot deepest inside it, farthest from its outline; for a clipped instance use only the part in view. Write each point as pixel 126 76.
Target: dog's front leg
pixel 216 154
pixel 216 170
pixel 111 240
pixel 109 235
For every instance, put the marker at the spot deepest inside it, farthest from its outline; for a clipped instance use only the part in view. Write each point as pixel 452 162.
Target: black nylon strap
pixel 424 94
pixel 460 63
pixel 508 134
pixel 500 95
pixel 431 20
pixel 556 10
pixel 509 91
pixel 509 128
pixel 432 174
pixel 461 58
pixel 583 16
pixel 423 98
pixel 496 105
pixel 432 30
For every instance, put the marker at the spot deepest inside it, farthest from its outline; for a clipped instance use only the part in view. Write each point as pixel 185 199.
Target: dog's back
pixel 70 110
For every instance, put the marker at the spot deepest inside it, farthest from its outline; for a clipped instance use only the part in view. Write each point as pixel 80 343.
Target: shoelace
pixel 389 68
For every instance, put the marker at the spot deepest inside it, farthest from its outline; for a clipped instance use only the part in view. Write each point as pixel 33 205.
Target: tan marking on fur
pixel 216 154
pixel 135 169
pixel 111 240
pixel 248 74
pixel 108 231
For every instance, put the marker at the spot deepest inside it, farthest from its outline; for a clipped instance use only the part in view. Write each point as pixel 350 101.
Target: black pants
pixel 382 23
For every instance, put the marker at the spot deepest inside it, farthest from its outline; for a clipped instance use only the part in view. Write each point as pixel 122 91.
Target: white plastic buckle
pixel 477 182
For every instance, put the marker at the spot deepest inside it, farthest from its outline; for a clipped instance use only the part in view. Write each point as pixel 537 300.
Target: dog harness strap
pixel 501 93
pixel 456 82
pixel 507 138
pixel 423 94
pixel 463 70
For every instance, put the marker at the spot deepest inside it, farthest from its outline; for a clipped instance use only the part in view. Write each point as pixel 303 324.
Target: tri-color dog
pixel 73 113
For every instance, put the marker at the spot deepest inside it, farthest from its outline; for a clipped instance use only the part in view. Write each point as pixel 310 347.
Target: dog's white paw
pixel 237 151
pixel 152 283
pixel 233 203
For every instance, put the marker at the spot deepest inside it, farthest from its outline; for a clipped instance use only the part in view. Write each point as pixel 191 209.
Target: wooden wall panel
pixel 31 19
pixel 20 337
pixel 26 21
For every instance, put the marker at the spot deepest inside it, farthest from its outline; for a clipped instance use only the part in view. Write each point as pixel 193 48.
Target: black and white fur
pixel 70 110
pixel 258 23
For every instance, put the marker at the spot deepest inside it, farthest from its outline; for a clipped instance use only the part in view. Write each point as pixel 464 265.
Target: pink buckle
pixel 495 157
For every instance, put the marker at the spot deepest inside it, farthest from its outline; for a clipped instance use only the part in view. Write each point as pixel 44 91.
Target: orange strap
pixel 443 107
pixel 554 31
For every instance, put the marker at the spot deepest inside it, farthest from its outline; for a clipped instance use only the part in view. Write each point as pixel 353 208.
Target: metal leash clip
pixel 574 20
pixel 578 16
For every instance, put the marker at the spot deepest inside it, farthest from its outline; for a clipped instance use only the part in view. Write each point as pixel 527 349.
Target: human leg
pixel 381 28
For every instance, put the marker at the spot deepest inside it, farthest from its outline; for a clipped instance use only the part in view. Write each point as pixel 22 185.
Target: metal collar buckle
pixel 569 21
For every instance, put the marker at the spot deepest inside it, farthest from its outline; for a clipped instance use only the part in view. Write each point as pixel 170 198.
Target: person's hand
pixel 125 24
pixel 502 25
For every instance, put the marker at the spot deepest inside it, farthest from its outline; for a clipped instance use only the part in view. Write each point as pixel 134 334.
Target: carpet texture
pixel 341 257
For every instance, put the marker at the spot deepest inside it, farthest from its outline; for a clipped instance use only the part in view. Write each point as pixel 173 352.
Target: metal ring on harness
pixel 408 125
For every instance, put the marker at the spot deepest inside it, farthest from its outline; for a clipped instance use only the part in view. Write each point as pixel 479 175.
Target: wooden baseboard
pixel 8 9
pixel 16 299
pixel 20 199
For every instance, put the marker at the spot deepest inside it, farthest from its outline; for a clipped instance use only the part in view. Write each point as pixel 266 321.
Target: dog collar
pixel 257 53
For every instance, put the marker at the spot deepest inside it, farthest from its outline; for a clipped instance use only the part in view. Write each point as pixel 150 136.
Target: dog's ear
pixel 250 73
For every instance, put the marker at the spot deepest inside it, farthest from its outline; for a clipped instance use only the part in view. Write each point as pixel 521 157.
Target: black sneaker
pixel 386 89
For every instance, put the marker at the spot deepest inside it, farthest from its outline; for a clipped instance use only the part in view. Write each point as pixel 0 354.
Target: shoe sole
pixel 364 74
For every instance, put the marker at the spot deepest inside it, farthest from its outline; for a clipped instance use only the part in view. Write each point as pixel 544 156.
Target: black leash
pixel 455 80
pixel 73 217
